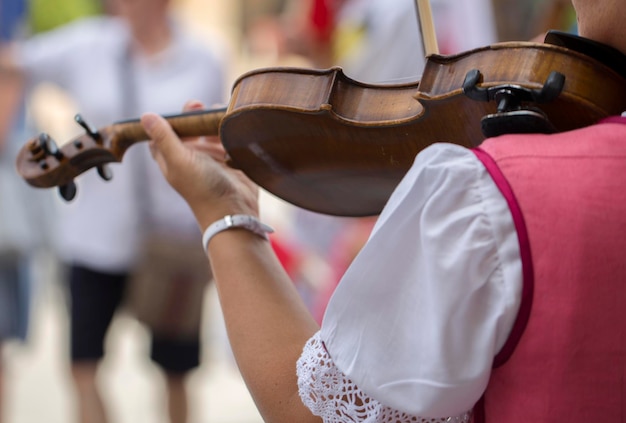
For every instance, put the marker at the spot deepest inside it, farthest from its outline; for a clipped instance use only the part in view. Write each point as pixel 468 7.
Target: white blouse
pixel 412 329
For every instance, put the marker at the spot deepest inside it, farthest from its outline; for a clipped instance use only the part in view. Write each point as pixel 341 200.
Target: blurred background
pixel 373 40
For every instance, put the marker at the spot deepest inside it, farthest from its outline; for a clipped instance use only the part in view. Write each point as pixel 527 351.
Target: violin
pixel 327 143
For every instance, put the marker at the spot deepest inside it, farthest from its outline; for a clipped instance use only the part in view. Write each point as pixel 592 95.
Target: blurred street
pixel 38 388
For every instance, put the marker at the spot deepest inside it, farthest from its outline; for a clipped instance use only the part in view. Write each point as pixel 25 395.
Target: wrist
pixel 236 221
pixel 207 213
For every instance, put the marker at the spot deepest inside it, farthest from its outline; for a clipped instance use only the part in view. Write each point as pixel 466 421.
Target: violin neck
pixel 190 124
pixel 427 27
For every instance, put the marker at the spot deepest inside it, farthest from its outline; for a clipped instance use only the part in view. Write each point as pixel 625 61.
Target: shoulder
pixel 442 153
pixel 441 168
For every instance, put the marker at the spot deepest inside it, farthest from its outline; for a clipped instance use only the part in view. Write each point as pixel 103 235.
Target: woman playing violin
pixel 491 288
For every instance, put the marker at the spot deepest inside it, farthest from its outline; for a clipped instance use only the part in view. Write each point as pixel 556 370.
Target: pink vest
pixel 565 360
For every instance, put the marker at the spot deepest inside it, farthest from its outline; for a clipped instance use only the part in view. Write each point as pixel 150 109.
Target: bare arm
pixel 267 322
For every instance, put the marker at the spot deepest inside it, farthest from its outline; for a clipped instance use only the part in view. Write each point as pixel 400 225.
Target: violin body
pixel 340 147
pixel 327 143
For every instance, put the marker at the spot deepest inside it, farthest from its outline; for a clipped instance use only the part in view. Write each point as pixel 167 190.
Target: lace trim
pixel 330 394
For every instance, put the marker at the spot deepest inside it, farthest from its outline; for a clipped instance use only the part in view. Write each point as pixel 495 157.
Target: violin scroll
pixel 43 147
pixel 43 164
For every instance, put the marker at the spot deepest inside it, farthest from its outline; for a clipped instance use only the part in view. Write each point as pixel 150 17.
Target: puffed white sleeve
pixel 426 305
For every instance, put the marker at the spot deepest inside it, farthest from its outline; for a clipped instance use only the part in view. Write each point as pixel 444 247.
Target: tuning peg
pixel 105 172
pixel 88 128
pixel 49 147
pixel 68 191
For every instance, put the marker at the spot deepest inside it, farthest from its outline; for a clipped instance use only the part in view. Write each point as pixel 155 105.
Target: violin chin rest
pixel 523 121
